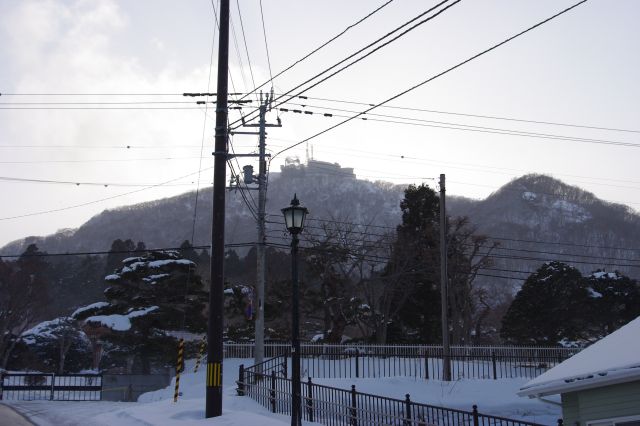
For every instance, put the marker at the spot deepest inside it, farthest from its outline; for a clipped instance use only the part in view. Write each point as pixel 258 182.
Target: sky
pixel 91 94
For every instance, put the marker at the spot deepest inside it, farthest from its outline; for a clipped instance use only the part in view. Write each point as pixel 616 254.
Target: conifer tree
pixel 549 309
pixel 150 300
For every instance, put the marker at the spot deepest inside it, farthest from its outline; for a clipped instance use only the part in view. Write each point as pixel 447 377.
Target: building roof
pixel 614 359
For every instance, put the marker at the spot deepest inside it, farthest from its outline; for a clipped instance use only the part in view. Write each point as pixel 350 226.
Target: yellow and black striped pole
pixel 200 354
pixel 214 374
pixel 179 368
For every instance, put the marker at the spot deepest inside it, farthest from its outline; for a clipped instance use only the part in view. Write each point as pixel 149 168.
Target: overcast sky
pixel 581 68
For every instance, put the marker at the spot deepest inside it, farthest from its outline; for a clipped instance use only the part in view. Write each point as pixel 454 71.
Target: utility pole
pixel 446 362
pixel 261 263
pixel 216 296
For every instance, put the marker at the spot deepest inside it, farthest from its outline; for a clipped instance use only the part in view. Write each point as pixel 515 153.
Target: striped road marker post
pixel 200 354
pixel 179 368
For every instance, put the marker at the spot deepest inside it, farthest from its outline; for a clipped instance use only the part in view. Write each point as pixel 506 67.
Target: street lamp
pixel 294 216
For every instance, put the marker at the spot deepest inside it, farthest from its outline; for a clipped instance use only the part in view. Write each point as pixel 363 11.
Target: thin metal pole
pixel 216 295
pixel 296 409
pixel 446 366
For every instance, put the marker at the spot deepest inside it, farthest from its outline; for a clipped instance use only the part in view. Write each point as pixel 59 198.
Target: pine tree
pixel 549 309
pixel 149 299
pixel 614 301
pixel 412 274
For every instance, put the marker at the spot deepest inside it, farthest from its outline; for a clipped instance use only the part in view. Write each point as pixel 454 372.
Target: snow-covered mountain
pixel 532 216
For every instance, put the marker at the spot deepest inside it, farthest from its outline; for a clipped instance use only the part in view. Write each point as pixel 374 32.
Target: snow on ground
pixel 497 397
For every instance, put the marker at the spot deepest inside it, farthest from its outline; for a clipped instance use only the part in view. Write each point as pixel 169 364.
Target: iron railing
pixel 370 361
pixel 333 406
pixel 49 386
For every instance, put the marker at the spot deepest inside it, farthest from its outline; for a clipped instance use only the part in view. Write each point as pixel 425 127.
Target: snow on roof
pixel 96 305
pixel 119 322
pixel 613 359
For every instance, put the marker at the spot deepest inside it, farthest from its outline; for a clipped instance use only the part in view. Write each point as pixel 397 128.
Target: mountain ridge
pixel 532 207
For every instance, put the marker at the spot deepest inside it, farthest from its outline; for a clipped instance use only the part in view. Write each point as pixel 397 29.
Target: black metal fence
pixel 48 386
pixel 426 364
pixel 333 406
pixel 421 361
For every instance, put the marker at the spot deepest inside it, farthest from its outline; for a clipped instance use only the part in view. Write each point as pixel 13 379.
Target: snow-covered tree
pixel 150 300
pixel 59 345
pixel 614 301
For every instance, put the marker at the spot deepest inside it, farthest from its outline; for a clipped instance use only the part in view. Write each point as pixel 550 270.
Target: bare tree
pixel 467 253
pixel 340 257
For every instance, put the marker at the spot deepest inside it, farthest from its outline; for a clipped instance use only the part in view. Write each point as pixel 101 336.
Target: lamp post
pixel 294 216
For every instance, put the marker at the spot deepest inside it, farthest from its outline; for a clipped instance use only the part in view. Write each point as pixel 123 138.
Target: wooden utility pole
pixel 446 363
pixel 216 295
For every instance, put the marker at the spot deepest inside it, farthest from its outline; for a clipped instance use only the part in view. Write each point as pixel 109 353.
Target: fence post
pixel 357 363
pixel 240 389
pixel 310 399
pixel 272 392
pixel 407 411
pixel 53 382
pixel 354 408
pixel 493 361
pixel 284 366
pixel 475 416
pixel 1 384
pixel 426 367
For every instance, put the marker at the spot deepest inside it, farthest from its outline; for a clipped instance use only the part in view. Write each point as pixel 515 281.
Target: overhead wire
pixel 99 200
pixel 484 116
pixel 458 126
pixel 375 49
pixel 422 83
pixel 246 48
pixel 323 45
pixel 266 45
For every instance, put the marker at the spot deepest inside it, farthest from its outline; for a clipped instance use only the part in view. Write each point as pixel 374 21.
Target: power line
pixel 365 48
pixel 75 183
pixel 101 252
pixel 91 94
pixel 266 45
pixel 433 77
pixel 323 45
pixel 460 126
pixel 246 48
pixel 99 200
pixel 493 237
pixel 491 117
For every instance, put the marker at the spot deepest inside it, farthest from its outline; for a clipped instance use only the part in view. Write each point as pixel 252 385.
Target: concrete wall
pixel 128 387
pixel 601 403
